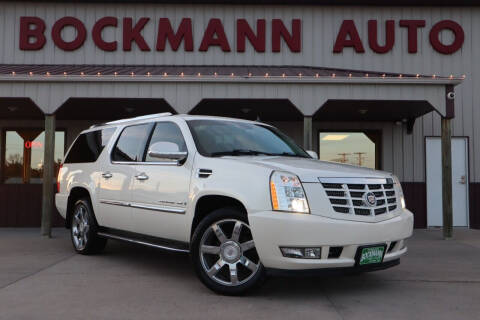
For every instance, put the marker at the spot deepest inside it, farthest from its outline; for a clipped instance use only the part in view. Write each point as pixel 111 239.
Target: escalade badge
pixel 370 199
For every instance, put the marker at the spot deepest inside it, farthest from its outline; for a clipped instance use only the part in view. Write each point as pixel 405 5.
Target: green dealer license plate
pixel 370 255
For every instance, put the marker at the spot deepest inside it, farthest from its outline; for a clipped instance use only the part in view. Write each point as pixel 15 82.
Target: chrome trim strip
pixel 115 203
pixel 158 208
pixel 148 244
pixel 145 206
pixel 353 180
pixel 164 163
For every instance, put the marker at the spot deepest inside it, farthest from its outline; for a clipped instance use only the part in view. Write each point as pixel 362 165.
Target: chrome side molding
pixel 145 206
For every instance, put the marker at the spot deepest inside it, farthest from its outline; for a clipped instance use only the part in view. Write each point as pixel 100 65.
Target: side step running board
pixel 158 243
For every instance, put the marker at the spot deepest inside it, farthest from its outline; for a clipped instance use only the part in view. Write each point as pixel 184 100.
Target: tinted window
pixel 167 132
pixel 131 144
pixel 89 145
pixel 220 138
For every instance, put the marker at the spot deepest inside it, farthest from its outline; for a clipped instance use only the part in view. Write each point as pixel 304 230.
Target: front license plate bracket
pixel 370 255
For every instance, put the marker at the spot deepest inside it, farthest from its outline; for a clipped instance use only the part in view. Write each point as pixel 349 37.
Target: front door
pixel 160 188
pixel 459 181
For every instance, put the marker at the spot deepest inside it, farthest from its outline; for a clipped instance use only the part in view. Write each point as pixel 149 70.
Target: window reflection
pixel 23 157
pixel 354 148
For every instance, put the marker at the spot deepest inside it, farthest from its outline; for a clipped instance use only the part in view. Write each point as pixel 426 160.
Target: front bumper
pixel 272 230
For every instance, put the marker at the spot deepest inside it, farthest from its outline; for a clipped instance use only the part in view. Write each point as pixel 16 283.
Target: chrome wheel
pixel 229 260
pixel 80 227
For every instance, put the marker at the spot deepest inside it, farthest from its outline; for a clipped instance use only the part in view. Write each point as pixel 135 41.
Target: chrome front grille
pixel 355 195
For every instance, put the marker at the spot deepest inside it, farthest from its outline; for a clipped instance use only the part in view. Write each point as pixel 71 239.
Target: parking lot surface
pixel 44 279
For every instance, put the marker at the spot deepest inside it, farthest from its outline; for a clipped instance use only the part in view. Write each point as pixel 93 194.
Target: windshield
pixel 216 138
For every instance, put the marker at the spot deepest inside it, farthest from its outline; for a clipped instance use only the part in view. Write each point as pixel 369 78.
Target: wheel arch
pixel 211 202
pixel 76 193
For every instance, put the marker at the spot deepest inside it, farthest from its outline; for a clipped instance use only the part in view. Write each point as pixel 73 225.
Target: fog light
pixel 302 253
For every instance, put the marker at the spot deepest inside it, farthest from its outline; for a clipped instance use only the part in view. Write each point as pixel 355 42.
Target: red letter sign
pixel 457 32
pixel 412 26
pixel 26 33
pixel 293 40
pixel 349 29
pixel 133 34
pixel 97 33
pixel 57 33
pixel 165 32
pixel 389 36
pixel 215 26
pixel 244 31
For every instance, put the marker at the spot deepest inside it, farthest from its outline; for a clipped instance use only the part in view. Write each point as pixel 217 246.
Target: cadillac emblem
pixel 369 199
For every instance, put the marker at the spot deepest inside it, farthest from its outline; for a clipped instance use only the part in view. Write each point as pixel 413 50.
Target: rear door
pixel 116 177
pixel 160 187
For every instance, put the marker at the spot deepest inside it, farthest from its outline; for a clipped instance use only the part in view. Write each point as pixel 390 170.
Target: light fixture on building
pixel 199 74
pixel 115 73
pixel 98 74
pixel 417 76
pixel 65 73
pixel 384 75
pixel 283 75
pixel 165 74
pixel 398 123
pixel 181 74
pixel 333 75
pixel 30 73
pixel 366 75
pixel 12 108
pixel 148 74
pixel 349 75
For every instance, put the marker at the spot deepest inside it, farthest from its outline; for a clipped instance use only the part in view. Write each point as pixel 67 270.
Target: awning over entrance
pixel 109 92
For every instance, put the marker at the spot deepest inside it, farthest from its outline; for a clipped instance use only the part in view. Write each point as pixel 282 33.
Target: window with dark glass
pixel 131 143
pixel 216 138
pixel 88 146
pixel 22 158
pixel 356 148
pixel 167 132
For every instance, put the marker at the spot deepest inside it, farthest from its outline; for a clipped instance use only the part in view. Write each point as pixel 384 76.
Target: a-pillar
pixel 48 176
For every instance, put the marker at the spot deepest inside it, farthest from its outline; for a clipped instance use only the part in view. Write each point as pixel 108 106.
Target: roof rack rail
pixel 148 116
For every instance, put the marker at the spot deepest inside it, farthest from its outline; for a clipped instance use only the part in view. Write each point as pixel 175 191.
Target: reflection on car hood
pixel 309 170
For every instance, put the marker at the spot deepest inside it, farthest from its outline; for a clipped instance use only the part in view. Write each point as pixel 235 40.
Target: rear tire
pixel 83 229
pixel 224 254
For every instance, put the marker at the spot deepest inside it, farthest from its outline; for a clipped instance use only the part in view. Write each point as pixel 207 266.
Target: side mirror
pixel 167 151
pixel 313 154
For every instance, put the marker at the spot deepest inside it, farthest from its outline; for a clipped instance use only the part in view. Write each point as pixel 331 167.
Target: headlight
pixel 399 190
pixel 287 193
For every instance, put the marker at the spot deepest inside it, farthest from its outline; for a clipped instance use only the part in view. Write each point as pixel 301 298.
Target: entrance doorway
pixel 459 181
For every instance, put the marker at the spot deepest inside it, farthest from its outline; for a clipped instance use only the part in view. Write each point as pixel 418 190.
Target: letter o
pixel 74 44
pixel 457 32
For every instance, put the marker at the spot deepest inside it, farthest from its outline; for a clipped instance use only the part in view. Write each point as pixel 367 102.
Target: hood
pixel 309 170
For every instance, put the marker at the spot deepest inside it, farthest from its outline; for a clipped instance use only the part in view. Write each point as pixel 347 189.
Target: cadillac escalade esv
pixel 240 196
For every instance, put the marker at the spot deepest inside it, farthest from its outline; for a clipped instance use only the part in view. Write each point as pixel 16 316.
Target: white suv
pixel 241 197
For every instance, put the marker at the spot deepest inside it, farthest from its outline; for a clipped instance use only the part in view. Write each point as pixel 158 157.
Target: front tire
pixel 83 229
pixel 224 254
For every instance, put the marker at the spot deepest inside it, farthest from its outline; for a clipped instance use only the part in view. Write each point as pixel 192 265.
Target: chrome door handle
pixel 141 176
pixel 463 180
pixel 107 175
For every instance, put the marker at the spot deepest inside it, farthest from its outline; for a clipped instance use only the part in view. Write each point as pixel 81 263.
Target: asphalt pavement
pixel 43 278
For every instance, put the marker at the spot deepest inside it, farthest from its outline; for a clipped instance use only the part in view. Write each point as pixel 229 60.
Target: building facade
pixel 365 85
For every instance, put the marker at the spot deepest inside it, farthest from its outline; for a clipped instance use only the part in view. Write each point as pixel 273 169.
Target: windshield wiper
pixel 239 152
pixel 286 154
